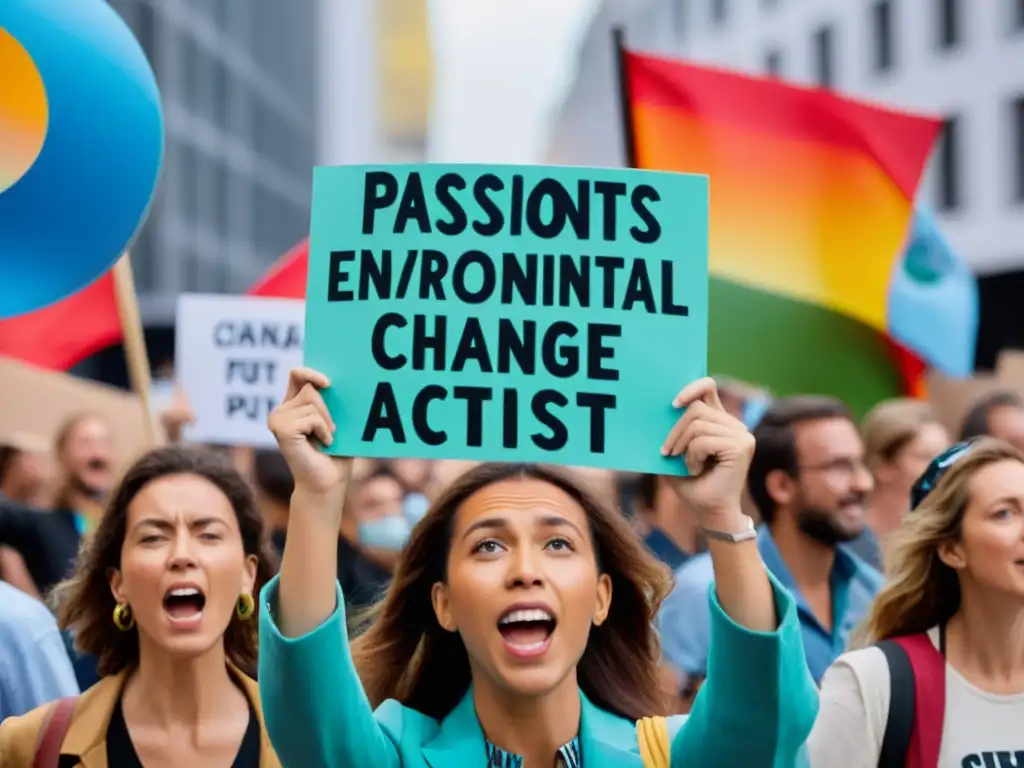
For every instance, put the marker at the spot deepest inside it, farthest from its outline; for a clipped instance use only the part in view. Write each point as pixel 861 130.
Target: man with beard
pixel 810 485
pixel 48 541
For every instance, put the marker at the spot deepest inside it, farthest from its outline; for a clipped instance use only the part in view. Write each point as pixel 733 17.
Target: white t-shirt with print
pixel 980 730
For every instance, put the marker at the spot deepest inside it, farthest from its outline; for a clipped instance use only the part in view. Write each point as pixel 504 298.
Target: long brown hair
pixel 406 655
pixel 921 591
pixel 84 601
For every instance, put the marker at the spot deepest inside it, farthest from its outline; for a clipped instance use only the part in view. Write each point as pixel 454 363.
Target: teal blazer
pixel 755 709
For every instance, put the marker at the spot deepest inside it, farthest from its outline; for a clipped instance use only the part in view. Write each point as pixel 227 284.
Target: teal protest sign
pixel 500 313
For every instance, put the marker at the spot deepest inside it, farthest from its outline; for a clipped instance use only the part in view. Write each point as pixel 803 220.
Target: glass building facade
pixel 238 80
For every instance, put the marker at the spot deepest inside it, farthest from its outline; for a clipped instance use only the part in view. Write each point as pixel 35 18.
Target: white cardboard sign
pixel 232 358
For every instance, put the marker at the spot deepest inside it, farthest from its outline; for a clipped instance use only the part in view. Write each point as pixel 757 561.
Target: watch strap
pixel 734 537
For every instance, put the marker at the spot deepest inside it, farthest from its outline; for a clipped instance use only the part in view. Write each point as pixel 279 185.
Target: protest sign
pixel 38 402
pixel 1010 370
pixel 952 398
pixel 507 313
pixel 233 355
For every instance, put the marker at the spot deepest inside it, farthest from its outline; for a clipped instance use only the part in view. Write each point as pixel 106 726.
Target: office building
pixel 959 60
pixel 376 83
pixel 239 87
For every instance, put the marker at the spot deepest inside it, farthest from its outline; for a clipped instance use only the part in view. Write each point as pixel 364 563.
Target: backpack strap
pixel 930 699
pixel 899 726
pixel 51 736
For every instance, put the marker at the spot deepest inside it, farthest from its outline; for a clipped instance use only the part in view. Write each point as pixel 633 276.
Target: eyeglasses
pixel 936 469
pixel 842 465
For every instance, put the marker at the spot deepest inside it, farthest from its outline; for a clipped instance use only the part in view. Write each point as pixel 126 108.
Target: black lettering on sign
pixel 384 415
pixel 378 341
pixel 380 191
pixel 474 277
pixel 558 348
pixel 547 208
pixel 482 190
pixel 251 372
pixel 338 275
pixel 255 408
pixel 257 334
pixel 420 422
pixel 387 414
pixel 542 403
pixel 1001 759
pixel 475 398
pixel 445 191
pixel 412 207
pixel 415 334
pixel 639 199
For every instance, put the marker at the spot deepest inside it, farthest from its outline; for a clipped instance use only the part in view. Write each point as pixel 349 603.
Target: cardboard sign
pixel 953 398
pixel 37 403
pixel 507 313
pixel 233 357
pixel 1010 370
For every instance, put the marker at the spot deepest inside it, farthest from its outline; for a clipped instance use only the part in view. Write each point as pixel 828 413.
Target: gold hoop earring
pixel 245 607
pixel 123 617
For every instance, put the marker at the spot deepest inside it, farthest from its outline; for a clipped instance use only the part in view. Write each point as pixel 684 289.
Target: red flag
pixel 61 335
pixel 912 369
pixel 287 278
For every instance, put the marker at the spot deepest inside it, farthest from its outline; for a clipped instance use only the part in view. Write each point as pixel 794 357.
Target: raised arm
pixel 717 449
pixel 315 708
pixel 759 702
pixel 309 565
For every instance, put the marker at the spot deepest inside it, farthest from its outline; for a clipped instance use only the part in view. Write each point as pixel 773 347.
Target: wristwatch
pixel 748 532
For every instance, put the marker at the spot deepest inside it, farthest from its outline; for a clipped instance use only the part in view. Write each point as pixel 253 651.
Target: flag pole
pixel 135 354
pixel 625 100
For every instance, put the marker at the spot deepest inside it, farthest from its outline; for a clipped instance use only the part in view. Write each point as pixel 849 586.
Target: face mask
pixel 388 533
pixel 414 507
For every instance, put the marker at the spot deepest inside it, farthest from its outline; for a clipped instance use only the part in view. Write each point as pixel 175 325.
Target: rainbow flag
pixel 812 197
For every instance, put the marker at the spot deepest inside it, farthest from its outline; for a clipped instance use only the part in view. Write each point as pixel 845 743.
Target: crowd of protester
pixel 886 566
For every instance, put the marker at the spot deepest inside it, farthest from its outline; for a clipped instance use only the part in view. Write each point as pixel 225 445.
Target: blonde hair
pixel 922 591
pixel 892 424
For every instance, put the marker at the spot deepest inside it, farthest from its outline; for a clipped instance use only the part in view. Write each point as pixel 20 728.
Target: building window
pixel 191 276
pixel 948 167
pixel 1017 147
pixel 144 258
pixel 719 12
pixel 188 199
pixel 882 36
pixel 192 77
pixel 949 28
pixel 1017 9
pixel 219 79
pixel 773 63
pixel 824 55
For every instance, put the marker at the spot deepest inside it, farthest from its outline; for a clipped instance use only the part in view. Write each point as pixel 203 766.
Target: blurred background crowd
pixel 256 93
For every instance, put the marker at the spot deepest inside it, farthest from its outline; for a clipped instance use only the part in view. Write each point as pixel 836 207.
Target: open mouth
pixel 97 465
pixel 527 631
pixel 184 604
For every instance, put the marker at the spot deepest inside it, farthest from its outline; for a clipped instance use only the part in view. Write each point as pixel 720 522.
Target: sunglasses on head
pixel 936 469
